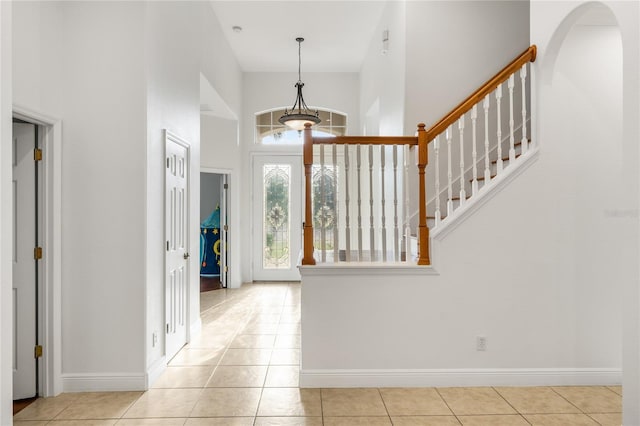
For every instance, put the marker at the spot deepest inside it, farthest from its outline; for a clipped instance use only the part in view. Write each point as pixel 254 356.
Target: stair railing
pixel 370 143
pixel 443 130
pixel 486 132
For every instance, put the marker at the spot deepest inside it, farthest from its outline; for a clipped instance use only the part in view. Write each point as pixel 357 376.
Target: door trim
pixel 50 277
pixel 174 138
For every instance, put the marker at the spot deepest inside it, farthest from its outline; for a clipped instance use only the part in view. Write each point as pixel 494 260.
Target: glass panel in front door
pixel 276 225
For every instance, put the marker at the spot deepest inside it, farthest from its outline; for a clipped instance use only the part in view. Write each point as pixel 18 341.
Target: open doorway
pixel 214 230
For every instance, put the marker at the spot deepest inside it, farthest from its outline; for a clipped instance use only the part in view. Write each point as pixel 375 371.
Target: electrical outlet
pixel 154 339
pixel 481 343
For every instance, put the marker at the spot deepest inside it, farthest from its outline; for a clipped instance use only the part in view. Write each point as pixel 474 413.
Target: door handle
pixel 186 256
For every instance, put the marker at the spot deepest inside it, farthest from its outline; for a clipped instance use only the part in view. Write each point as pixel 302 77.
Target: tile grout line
pixel 510 405
pixel 448 406
pixel 385 405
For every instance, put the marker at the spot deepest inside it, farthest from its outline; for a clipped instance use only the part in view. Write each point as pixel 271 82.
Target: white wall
pixel 550 23
pixel 173 102
pixel 454 47
pixel 382 76
pixel 6 221
pixel 117 74
pixel 538 270
pixel 264 91
pixel 100 131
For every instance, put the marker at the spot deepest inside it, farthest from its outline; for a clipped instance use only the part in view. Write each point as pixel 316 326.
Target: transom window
pixel 270 132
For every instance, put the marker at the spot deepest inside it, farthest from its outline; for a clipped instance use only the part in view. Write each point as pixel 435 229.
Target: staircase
pixel 469 154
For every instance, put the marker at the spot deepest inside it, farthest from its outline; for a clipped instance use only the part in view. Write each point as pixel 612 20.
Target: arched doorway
pixel 581 113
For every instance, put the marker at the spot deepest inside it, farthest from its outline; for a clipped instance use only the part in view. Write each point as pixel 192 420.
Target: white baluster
pixel 407 201
pixel 347 234
pixel 323 203
pixel 336 216
pixel 487 163
pixel 358 165
pixel 371 230
pixel 474 153
pixel 396 231
pixel 499 131
pixel 512 147
pixel 449 136
pixel 524 142
pixel 436 148
pixel 382 201
pixel 463 194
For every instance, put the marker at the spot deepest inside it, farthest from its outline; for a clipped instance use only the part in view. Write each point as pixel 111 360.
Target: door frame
pixel 256 234
pixel 229 176
pixel 50 267
pixel 170 137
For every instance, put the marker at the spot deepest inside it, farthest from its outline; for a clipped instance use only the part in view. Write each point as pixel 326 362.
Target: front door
pixel 24 263
pixel 177 242
pixel 277 217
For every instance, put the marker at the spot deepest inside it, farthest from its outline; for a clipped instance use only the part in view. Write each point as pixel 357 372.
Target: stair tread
pixel 505 159
pixel 482 178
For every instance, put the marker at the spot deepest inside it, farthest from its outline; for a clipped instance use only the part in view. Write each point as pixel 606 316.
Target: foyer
pixel 243 370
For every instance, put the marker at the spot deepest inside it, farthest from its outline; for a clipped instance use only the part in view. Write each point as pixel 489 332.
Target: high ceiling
pixel 337 33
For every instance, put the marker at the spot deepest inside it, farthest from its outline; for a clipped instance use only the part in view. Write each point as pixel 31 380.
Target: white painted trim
pixel 366 268
pixel 51 309
pixel 487 192
pixel 460 377
pixel 155 371
pixel 107 382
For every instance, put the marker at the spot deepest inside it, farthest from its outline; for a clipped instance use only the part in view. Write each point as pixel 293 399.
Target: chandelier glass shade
pixel 299 114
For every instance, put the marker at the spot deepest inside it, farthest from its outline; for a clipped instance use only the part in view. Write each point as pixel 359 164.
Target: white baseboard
pixel 153 372
pixel 98 382
pixel 460 377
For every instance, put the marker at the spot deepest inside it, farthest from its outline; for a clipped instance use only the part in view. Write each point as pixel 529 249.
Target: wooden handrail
pixel 528 55
pixel 366 140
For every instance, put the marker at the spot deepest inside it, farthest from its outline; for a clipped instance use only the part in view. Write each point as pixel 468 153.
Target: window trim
pixel 256 135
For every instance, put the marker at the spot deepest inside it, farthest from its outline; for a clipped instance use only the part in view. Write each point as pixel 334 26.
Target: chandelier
pixel 299 114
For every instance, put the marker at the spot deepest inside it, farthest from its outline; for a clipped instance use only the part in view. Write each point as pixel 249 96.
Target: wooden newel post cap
pixel 421 127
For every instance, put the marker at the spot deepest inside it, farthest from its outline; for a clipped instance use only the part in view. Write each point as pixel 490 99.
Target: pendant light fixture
pixel 299 115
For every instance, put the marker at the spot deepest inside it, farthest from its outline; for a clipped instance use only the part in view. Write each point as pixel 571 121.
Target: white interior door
pixel 277 217
pixel 24 264
pixel 177 242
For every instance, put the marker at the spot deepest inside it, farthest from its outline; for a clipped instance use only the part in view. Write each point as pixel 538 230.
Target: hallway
pixel 243 370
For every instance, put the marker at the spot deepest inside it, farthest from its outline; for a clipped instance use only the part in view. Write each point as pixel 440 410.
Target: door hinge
pixel 167 328
pixel 167 245
pixel 226 227
pixel 37 253
pixel 37 154
pixel 226 186
pixel 168 162
pixel 226 269
pixel 37 351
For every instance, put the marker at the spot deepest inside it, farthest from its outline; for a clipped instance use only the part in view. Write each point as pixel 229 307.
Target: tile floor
pixel 243 370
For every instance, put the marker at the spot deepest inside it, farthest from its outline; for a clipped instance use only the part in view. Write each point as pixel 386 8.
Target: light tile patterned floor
pixel 243 370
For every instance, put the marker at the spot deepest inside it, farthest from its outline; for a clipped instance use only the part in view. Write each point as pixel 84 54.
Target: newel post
pixel 307 258
pixel 423 231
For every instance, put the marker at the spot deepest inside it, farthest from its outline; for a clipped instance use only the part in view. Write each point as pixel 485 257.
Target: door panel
pixel 277 217
pixel 177 263
pixel 24 265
